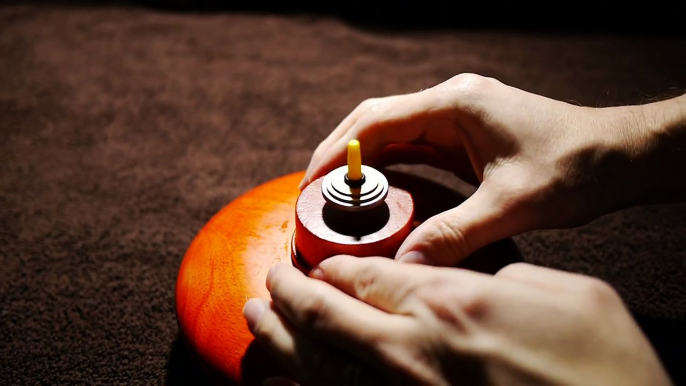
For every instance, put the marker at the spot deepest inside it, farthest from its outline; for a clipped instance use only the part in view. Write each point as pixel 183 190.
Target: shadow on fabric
pixel 668 337
pixel 181 368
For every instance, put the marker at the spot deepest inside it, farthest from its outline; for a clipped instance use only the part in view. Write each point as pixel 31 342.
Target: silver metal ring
pixel 368 195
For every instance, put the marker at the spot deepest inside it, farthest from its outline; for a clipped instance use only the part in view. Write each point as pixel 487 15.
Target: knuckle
pixel 367 103
pixel 312 309
pixel 370 117
pixel 465 78
pixel 455 304
pixel 598 293
pixel 409 297
pixel 469 83
pixel 453 239
pixel 367 280
pixel 274 282
pixel 473 302
pixel 467 91
pixel 514 270
pixel 264 327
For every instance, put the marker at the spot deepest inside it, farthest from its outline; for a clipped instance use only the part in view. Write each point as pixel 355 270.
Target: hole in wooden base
pixel 356 224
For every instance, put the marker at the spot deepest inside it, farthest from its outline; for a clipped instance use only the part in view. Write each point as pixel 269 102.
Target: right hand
pixel 539 163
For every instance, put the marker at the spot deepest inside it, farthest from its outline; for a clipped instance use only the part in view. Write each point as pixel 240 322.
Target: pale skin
pixel 538 163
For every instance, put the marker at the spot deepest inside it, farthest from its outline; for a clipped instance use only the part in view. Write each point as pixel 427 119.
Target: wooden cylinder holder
pixel 336 217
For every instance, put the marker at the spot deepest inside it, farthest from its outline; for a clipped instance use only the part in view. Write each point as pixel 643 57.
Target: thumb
pixel 449 237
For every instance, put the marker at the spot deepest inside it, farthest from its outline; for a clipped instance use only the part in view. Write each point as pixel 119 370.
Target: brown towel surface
pixel 123 130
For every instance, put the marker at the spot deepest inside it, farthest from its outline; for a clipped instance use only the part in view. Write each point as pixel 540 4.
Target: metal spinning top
pixel 355 187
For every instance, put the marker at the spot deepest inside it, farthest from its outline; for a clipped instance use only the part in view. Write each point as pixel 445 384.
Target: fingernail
pixel 252 311
pixel 413 257
pixel 317 273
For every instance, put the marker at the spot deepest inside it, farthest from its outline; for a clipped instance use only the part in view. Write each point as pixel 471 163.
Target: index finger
pixel 402 119
pixel 390 285
pixel 327 313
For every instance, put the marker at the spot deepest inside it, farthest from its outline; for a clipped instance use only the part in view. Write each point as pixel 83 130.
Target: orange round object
pixel 227 263
pixel 322 231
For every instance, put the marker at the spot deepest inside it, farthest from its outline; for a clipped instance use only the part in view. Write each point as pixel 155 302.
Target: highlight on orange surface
pixel 354 160
pixel 227 264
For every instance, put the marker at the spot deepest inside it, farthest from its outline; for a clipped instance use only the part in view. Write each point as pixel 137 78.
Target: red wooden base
pixel 322 231
pixel 228 261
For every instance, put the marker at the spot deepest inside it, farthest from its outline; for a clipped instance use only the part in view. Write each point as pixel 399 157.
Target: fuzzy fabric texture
pixel 124 129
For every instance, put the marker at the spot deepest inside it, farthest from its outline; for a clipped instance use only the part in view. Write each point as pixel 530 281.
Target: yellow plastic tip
pixel 354 161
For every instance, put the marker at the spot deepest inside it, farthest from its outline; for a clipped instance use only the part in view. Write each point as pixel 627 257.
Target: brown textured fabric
pixel 123 130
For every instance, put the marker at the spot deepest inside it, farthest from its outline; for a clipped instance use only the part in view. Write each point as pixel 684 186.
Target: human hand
pixel 374 321
pixel 539 163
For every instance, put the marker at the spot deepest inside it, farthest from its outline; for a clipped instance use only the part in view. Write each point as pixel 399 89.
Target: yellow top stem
pixel 354 161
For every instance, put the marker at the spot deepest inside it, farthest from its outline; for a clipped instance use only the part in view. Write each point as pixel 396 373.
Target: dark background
pixel 125 126
pixel 583 16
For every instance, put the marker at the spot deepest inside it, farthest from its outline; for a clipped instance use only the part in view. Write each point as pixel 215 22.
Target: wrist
pixel 666 159
pixel 650 141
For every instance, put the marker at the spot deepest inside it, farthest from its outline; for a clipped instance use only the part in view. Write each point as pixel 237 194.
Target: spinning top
pixel 228 261
pixel 352 211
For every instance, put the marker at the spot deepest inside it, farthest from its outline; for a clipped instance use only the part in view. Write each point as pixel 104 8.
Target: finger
pixel 398 120
pixel 449 237
pixel 311 362
pixel 394 121
pixel 272 331
pixel 415 154
pixel 329 314
pixel 544 278
pixel 377 281
pixel 338 132
pixel 459 295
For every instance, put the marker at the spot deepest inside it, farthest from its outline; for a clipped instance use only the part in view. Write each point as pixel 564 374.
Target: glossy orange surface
pixel 226 264
pixel 228 261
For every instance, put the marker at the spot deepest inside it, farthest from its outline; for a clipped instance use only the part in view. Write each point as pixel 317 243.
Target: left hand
pixel 359 321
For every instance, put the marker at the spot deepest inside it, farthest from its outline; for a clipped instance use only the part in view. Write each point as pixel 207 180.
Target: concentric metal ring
pixel 370 194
